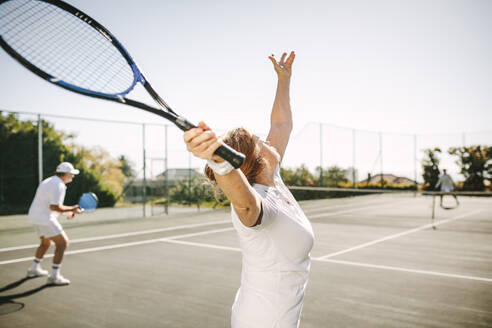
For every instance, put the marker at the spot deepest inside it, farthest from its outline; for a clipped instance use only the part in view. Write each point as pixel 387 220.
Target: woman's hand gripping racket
pixel 68 48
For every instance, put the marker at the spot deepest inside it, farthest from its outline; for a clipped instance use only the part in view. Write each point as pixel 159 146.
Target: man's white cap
pixel 66 167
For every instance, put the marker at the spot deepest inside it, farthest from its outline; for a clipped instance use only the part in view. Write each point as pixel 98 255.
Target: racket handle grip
pixel 225 151
pixel 231 155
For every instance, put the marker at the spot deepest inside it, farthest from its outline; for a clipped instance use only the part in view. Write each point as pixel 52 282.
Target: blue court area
pixel 377 262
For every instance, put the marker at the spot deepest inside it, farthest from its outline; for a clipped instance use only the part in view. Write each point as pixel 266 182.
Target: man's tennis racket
pixel 88 202
pixel 68 48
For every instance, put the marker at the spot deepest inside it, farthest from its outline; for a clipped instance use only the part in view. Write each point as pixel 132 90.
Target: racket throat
pixel 183 124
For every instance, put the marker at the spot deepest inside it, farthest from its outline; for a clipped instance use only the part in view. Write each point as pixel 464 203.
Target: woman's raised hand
pixel 283 67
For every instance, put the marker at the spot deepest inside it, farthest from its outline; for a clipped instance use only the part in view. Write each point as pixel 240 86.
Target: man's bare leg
pixel 61 242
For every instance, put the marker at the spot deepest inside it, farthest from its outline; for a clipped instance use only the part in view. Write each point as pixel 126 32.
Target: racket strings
pixel 82 58
pixel 13 18
pixel 64 46
pixel 36 39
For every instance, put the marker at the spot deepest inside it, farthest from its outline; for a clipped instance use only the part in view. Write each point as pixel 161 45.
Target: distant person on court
pixel 274 234
pixel 43 214
pixel 447 186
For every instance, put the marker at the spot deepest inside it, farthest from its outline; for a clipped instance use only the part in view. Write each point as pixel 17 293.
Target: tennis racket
pixel 68 48
pixel 88 202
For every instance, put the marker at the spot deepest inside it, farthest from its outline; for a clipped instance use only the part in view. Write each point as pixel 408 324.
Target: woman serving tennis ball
pixel 274 234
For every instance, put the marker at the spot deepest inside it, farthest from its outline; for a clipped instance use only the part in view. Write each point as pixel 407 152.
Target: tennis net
pixel 429 206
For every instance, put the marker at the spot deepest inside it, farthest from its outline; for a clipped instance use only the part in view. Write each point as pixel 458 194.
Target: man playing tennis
pixel 447 186
pixel 43 214
pixel 274 234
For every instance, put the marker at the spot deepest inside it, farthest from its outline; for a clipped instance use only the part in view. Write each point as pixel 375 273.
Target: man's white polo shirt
pixel 50 192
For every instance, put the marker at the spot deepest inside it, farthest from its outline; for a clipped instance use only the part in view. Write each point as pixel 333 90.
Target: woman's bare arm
pixel 281 116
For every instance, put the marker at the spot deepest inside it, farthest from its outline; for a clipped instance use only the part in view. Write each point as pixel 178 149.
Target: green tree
pixel 430 166
pixel 126 166
pixel 19 165
pixel 332 176
pixel 475 164
pixel 193 192
pixel 297 177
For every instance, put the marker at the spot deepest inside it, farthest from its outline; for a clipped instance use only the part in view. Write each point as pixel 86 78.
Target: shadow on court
pixel 7 303
pixel 376 262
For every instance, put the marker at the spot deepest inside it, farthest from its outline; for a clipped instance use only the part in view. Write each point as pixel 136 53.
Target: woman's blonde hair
pixel 244 142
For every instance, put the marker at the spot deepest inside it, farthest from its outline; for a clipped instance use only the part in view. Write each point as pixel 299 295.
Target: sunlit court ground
pixel 377 262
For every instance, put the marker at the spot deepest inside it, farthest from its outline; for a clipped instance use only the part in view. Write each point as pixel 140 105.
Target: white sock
pixel 36 264
pixel 55 270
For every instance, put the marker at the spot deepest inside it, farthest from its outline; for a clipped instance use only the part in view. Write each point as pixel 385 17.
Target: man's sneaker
pixel 38 272
pixel 58 280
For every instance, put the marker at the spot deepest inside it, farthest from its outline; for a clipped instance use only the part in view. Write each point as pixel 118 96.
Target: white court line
pixel 162 239
pixel 366 265
pixel 318 208
pixel 426 226
pixel 386 267
pixel 325 215
pixel 376 201
pixel 201 245
pixel 188 226
pixel 127 234
pixel 142 242
pixel 173 240
pixel 168 238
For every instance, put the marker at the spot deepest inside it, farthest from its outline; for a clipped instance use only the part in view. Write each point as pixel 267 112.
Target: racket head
pixel 67 47
pixel 70 49
pixel 88 202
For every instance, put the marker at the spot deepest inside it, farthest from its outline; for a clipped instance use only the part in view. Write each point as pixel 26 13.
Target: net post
pixel 144 187
pixel 40 149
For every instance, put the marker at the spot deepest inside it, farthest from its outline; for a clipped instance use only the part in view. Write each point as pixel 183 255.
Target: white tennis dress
pixel 276 262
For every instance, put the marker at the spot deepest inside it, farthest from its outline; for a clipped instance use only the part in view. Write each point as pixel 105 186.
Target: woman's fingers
pixel 284 65
pixel 203 137
pixel 274 61
pixel 282 59
pixel 207 148
pixel 290 59
pixel 211 148
pixel 200 146
pixel 203 125
pixel 191 133
pixel 201 141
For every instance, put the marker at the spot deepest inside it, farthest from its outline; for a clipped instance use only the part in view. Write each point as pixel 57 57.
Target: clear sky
pixel 412 67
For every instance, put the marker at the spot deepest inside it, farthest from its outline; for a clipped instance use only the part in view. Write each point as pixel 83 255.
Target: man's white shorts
pixel 446 189
pixel 51 229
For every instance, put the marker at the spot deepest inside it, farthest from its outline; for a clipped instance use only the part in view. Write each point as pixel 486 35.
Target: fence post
pixel 189 177
pixel 381 157
pixel 144 188
pixel 40 149
pixel 415 161
pixel 354 183
pixel 166 206
pixel 321 154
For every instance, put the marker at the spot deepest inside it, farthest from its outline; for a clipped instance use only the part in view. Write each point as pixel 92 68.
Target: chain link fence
pixel 160 161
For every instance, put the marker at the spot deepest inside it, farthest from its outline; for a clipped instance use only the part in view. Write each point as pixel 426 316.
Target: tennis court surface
pixel 377 262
